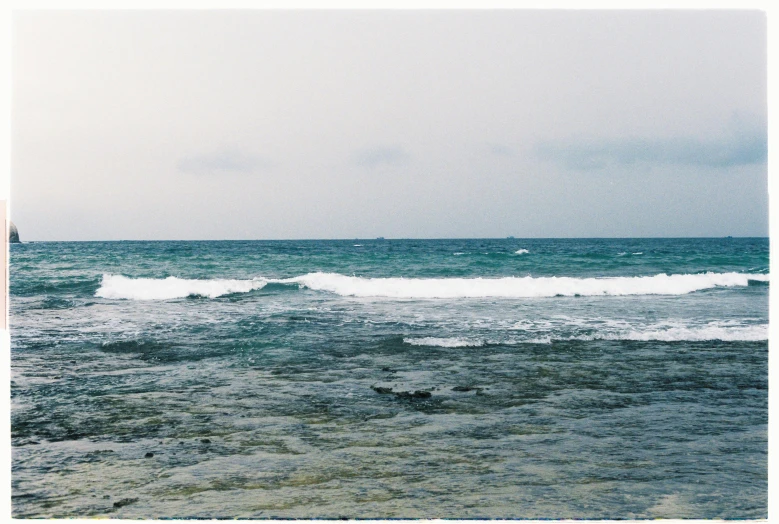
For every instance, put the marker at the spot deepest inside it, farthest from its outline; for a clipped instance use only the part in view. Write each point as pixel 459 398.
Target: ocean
pixel 371 378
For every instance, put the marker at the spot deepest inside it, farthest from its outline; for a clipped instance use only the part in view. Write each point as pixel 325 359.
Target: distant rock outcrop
pixel 13 234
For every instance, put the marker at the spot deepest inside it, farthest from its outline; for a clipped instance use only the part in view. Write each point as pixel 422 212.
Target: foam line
pixel 121 287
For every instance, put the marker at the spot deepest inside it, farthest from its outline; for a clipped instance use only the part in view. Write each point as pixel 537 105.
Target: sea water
pixel 509 378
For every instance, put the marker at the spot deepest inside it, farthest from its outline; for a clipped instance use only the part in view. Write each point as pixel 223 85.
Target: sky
pixel 134 125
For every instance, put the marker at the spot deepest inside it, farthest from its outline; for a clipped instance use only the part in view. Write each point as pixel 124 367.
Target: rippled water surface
pixel 390 378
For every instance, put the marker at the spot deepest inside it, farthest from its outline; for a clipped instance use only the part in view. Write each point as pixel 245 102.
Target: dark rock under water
pixel 401 394
pixel 125 502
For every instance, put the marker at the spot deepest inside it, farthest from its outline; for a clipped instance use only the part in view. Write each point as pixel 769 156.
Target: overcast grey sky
pixel 345 124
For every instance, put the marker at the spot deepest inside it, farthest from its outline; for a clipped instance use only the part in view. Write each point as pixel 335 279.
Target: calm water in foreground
pixel 390 378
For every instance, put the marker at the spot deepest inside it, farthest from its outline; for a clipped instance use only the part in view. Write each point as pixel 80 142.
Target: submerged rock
pixel 415 394
pixel 463 389
pixel 149 455
pixel 206 441
pixel 13 234
pixel 402 394
pixel 124 502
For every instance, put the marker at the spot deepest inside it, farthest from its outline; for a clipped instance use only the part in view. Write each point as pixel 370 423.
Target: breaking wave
pixel 519 287
pixel 121 287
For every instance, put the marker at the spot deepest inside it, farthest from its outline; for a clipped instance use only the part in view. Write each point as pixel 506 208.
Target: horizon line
pixel 701 237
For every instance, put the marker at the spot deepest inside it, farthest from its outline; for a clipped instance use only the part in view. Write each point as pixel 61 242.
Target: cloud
pixel 739 147
pixel 380 156
pixel 501 150
pixel 223 162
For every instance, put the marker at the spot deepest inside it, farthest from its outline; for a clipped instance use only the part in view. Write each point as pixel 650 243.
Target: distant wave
pixel 452 342
pixel 121 287
pixel 497 254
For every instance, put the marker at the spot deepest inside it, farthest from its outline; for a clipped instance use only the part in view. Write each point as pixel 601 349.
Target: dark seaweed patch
pixel 132 346
pixel 149 350
pixel 50 302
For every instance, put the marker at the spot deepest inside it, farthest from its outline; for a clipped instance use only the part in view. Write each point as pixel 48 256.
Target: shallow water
pixel 635 398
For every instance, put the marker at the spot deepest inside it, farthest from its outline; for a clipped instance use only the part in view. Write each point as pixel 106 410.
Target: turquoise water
pixel 511 378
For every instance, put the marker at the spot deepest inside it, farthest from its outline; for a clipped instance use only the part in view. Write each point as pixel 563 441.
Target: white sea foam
pixel 679 333
pixel 666 332
pixel 518 287
pixel 121 287
pixel 521 251
pixel 452 342
pixel 693 334
pixel 704 333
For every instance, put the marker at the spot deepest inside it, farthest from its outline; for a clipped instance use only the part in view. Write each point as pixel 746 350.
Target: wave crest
pixel 520 287
pixel 121 287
